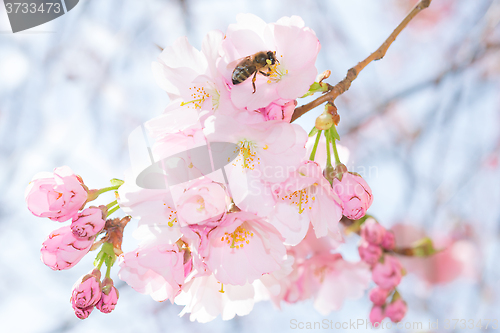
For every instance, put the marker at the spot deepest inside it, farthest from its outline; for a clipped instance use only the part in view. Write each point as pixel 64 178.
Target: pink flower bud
pixel 89 222
pixel 372 231
pixel 355 194
pixel 387 275
pixel 58 196
pixel 108 302
pixel 87 291
pixel 376 315
pixel 369 253
pixel 83 313
pixel 396 310
pixel 389 241
pixel 378 296
pixel 62 250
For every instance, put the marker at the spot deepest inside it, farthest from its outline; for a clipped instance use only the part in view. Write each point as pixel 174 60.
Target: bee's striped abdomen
pixel 242 72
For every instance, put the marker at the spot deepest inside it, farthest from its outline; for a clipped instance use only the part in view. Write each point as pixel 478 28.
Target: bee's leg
pixel 266 74
pixel 253 82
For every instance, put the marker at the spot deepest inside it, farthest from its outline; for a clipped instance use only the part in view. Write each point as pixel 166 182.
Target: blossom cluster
pixel 89 292
pixel 240 205
pixel 61 196
pixel 386 271
pixel 217 247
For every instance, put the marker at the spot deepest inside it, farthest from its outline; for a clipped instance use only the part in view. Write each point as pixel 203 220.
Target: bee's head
pixel 271 55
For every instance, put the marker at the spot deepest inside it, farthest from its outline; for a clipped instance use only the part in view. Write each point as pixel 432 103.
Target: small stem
pixel 313 152
pixel 108 271
pixel 100 264
pixel 107 189
pixel 335 152
pixel 111 204
pixel 113 210
pixel 328 154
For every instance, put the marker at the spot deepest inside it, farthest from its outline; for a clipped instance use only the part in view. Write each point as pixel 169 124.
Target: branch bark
pixel 353 73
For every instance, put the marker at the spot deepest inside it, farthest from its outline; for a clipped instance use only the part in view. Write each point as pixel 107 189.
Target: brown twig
pixel 353 73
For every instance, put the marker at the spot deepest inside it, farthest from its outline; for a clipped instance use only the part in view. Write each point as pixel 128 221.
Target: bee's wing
pixel 232 65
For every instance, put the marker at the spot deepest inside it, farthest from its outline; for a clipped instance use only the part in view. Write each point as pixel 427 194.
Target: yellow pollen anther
pixel 237 238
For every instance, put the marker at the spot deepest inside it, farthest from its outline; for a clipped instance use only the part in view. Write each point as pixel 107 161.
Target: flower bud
pixel 109 297
pixel 62 250
pixel 372 231
pixel 324 121
pixel 355 194
pixel 89 222
pixel 387 275
pixel 389 241
pixel 58 196
pixel 87 291
pixel 378 296
pixel 376 315
pixel 396 310
pixel 369 253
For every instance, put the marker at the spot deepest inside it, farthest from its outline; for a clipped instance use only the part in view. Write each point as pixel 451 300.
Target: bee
pixel 254 64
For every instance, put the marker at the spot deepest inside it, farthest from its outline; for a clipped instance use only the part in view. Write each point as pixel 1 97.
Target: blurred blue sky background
pixel 425 118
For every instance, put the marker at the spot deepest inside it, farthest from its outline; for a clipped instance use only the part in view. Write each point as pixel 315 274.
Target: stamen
pixel 238 238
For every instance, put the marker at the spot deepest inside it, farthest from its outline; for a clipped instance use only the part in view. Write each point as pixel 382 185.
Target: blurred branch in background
pixel 352 74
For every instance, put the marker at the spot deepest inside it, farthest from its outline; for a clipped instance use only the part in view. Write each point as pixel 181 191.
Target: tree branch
pixel 352 73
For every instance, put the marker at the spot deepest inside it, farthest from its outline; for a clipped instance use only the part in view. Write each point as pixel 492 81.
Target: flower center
pixel 247 156
pixel 171 214
pixel 300 199
pixel 201 202
pixel 238 238
pixel 199 96
pixel 277 73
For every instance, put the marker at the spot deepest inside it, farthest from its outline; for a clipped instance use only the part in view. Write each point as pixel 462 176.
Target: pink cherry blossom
pixel 355 194
pixel 372 231
pixel 389 241
pixel 155 268
pixel 376 315
pixel 87 291
pixel 326 278
pixel 243 248
pixel 109 297
pixel 191 76
pixel 387 275
pixel 341 280
pixel 154 208
pixel 201 201
pixel 396 310
pixel 296 49
pixel 62 250
pixel 311 245
pixel 205 298
pixel 89 222
pixel 268 150
pixel 369 253
pixel 311 196
pixel 58 195
pixel 378 296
